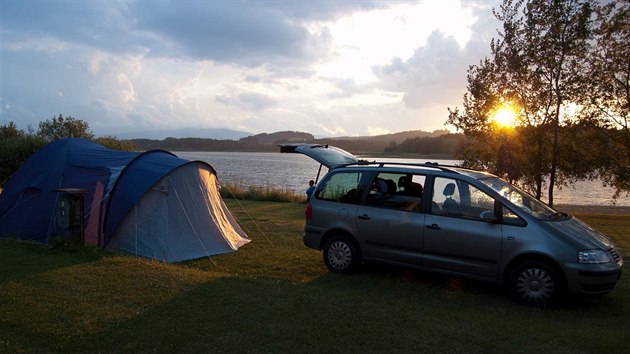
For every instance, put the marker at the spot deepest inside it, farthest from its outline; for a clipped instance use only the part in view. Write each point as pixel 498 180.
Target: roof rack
pixel 434 165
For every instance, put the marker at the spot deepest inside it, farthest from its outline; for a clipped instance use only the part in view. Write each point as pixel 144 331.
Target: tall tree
pixel 10 131
pixel 60 128
pixel 535 65
pixel 606 101
pixel 487 147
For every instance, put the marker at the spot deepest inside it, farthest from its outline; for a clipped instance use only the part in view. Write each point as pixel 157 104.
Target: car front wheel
pixel 536 283
pixel 341 255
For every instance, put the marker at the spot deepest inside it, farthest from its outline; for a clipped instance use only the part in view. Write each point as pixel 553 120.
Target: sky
pixel 329 68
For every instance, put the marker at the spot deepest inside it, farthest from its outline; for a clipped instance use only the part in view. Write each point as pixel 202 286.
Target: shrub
pixel 266 193
pixel 14 151
pixel 111 142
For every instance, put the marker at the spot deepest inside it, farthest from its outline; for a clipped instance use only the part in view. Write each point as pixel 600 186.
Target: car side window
pixel 457 198
pixel 401 191
pixel 344 187
pixel 510 218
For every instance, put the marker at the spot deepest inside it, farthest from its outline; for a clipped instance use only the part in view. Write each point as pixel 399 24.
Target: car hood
pixel 326 155
pixel 580 234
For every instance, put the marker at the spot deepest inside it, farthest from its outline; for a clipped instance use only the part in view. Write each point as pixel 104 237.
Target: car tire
pixel 536 283
pixel 341 255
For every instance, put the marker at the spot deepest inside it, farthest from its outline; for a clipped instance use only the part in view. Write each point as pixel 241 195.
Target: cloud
pixel 435 75
pixel 249 100
pixel 250 33
pixel 99 24
pixel 257 66
pixel 241 32
pixel 377 131
pixel 347 88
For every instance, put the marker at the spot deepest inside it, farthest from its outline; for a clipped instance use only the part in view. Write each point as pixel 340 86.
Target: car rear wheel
pixel 536 283
pixel 341 255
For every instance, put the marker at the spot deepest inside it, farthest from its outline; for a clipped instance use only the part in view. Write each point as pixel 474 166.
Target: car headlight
pixel 593 256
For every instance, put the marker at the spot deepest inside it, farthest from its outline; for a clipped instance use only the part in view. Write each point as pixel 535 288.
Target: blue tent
pixel 151 204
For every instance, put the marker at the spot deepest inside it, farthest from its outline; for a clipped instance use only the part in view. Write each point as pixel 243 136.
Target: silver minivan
pixel 455 221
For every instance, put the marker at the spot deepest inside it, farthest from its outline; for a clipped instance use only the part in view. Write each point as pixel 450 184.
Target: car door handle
pixel 364 217
pixel 434 227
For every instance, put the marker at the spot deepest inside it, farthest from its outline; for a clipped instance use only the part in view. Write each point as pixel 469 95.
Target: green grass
pixel 275 296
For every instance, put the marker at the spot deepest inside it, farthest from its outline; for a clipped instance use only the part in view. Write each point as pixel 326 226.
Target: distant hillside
pixel 278 137
pixel 396 137
pixel 413 142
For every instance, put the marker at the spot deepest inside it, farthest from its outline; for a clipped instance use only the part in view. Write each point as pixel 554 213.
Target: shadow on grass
pixel 376 311
pixel 450 285
pixel 262 300
pixel 20 258
pixel 434 280
pixel 332 313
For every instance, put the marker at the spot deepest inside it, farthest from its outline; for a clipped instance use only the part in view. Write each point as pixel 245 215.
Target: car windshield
pixel 525 201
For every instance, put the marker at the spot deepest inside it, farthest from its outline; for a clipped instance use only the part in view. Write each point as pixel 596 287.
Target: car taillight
pixel 308 212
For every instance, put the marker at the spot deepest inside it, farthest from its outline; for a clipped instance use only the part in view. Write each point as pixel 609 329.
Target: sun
pixel 504 117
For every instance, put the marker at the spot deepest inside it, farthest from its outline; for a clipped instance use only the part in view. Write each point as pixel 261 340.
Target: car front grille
pixel 615 256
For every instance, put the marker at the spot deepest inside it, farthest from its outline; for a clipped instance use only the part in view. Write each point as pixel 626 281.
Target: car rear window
pixel 343 187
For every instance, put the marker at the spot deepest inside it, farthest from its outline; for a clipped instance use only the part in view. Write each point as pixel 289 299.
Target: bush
pixel 267 193
pixel 114 143
pixel 14 151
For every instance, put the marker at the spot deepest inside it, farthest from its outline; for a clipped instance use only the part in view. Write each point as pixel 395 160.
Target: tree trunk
pixel 539 167
pixel 627 136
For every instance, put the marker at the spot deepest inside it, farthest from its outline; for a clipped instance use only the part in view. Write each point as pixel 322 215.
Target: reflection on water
pixel 293 171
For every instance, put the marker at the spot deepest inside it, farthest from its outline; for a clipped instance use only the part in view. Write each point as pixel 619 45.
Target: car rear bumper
pixel 312 241
pixel 313 236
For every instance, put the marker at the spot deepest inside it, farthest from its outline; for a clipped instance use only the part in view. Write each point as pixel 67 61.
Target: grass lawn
pixel 275 296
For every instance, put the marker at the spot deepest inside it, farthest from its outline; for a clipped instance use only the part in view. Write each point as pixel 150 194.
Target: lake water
pixel 293 171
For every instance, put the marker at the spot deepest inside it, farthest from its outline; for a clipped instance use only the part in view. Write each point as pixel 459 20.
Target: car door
pixel 460 233
pixel 391 221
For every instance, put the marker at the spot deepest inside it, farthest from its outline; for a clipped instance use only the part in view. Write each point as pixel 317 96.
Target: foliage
pixel 606 100
pixel 538 65
pixel 61 128
pixel 16 146
pixel 114 143
pixel 14 151
pixel 448 144
pixel 10 131
pixel 275 296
